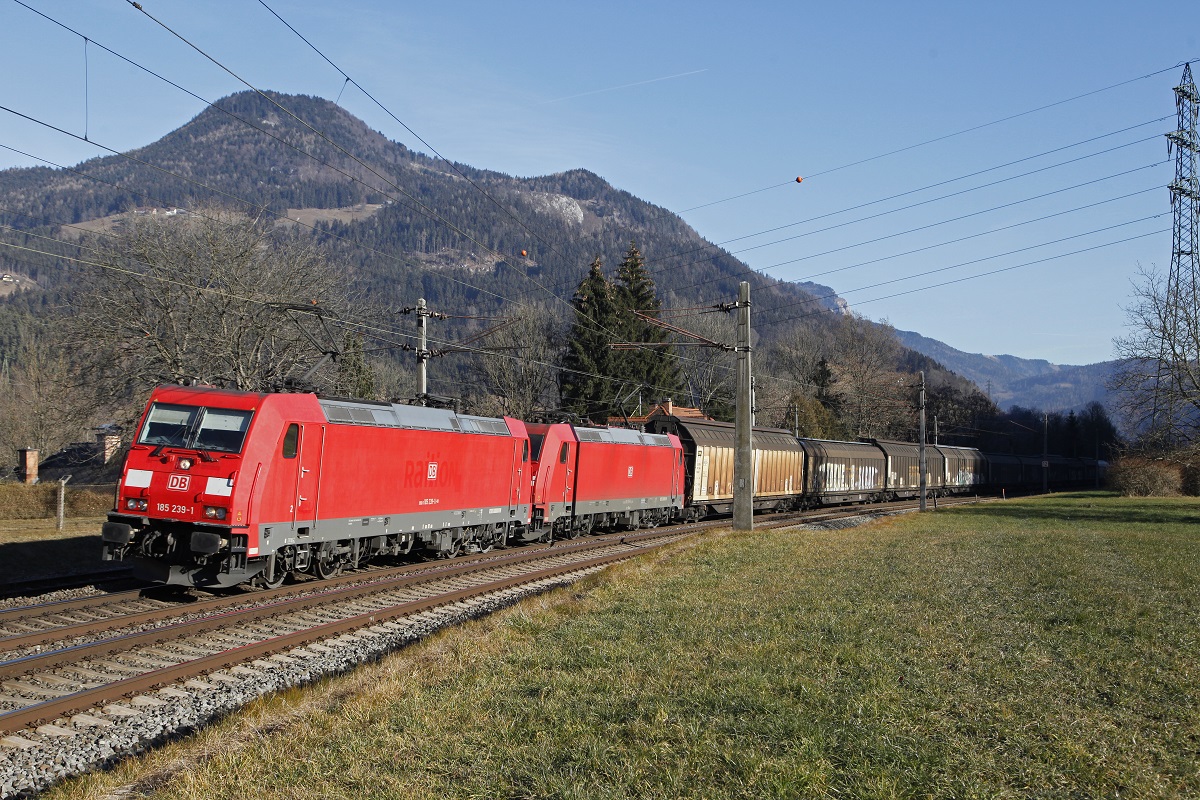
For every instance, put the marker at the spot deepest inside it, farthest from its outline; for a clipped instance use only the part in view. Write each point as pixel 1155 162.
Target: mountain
pixel 401 222
pixel 1012 381
pixel 403 225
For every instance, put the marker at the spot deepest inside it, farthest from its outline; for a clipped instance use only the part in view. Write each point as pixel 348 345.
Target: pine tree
pixel 654 367
pixel 587 386
pixel 355 378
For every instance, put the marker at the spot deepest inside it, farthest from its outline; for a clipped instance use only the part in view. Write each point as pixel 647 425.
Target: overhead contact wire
pixel 288 112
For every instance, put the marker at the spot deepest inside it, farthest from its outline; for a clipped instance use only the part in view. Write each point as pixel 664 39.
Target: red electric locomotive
pixel 588 478
pixel 222 487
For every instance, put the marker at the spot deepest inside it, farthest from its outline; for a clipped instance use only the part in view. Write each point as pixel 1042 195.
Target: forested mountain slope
pixel 436 235
pixel 477 245
pixel 1012 381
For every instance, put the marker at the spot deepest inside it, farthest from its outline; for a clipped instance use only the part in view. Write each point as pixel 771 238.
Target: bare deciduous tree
pixel 1158 382
pixel 875 399
pixel 709 374
pixel 522 373
pixel 43 404
pixel 215 297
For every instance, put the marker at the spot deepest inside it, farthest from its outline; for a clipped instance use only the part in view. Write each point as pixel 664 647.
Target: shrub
pixel 19 501
pixel 1138 476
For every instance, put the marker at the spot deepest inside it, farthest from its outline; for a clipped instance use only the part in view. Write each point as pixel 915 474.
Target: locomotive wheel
pixel 272 584
pixel 327 568
pixel 485 540
pixel 453 550
pixel 265 581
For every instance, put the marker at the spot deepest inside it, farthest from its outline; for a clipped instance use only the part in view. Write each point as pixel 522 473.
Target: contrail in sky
pixel 623 86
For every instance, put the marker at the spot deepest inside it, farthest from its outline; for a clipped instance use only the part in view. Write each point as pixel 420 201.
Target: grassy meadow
pixel 1026 648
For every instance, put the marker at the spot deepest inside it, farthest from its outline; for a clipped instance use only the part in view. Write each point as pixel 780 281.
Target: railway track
pixel 79 620
pixel 81 696
pixel 173 644
pixel 37 586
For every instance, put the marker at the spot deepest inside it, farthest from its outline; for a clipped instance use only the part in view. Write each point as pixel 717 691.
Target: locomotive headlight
pixel 214 512
pixel 185 463
pixel 134 504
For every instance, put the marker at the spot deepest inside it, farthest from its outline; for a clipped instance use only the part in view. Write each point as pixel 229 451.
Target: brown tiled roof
pixel 661 410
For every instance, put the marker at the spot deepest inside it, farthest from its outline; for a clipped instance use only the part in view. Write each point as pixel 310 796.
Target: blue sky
pixel 684 104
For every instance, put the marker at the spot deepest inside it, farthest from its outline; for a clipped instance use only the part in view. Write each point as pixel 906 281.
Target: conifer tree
pixel 653 367
pixel 588 366
pixel 355 378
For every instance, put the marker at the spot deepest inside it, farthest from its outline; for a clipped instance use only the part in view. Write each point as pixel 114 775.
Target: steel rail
pixel 34 586
pixel 377 578
pixel 120 689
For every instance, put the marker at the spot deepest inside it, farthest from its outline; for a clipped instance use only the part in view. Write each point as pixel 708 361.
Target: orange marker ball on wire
pixel 799 179
pixel 523 254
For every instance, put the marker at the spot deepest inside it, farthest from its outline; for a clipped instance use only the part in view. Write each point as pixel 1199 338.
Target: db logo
pixel 432 474
pixel 179 483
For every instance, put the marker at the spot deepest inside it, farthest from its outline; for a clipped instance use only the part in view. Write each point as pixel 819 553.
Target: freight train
pixel 225 487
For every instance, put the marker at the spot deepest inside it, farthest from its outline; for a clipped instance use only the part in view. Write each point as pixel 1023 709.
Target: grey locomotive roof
pixel 621 436
pixel 394 415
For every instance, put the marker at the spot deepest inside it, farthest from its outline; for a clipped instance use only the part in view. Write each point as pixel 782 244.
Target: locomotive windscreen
pixel 196 427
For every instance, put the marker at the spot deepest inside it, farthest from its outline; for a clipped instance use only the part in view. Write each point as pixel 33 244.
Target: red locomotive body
pixel 590 478
pixel 222 487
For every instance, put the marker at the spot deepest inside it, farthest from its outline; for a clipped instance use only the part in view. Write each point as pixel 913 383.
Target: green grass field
pixel 1027 648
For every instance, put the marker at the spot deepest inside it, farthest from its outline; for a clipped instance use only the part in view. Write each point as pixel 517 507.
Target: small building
pixel 664 409
pixel 86 462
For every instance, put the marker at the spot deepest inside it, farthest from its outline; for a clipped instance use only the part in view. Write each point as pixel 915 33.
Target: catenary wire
pixel 969 277
pixel 288 112
pixel 718 246
pixel 351 81
pixel 944 137
pixel 935 200
pixel 949 220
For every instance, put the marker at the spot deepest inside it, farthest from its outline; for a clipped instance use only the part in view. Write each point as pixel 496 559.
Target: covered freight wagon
pixel 904 468
pixel 842 472
pixel 708 448
pixel 966 469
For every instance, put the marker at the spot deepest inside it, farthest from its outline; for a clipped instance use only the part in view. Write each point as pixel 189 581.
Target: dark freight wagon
pixel 843 472
pixel 904 468
pixel 966 469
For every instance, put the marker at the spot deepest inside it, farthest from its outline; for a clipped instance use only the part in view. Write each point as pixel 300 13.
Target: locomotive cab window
pixel 196 427
pixel 562 454
pixel 291 440
pixel 525 450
